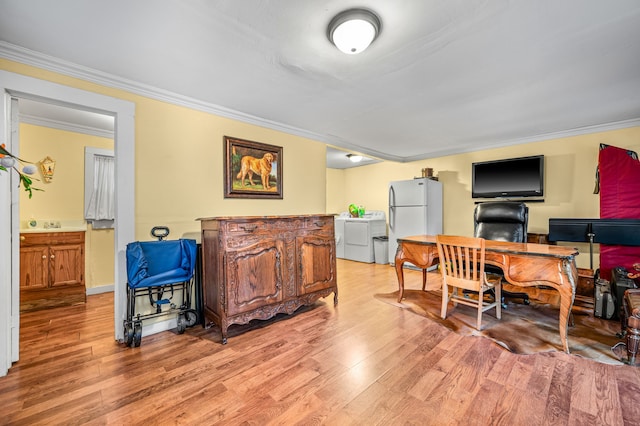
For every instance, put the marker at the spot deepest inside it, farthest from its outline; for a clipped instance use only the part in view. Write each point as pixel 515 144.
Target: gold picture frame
pixel 252 169
pixel 47 168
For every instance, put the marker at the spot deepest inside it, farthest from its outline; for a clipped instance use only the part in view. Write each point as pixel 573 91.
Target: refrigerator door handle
pixel 392 204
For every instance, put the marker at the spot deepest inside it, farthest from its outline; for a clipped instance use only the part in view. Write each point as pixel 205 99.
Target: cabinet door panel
pixel 34 268
pixel 255 277
pixel 316 267
pixel 66 265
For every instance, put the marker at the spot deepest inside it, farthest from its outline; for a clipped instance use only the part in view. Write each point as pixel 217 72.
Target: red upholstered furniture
pixel 619 179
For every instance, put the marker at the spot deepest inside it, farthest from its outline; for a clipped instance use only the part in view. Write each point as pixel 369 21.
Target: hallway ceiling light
pixel 353 30
pixel 354 158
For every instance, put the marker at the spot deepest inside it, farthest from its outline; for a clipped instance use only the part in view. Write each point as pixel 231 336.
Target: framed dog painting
pixel 252 169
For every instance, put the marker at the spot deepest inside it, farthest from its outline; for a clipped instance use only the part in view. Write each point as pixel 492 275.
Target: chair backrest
pixel 501 221
pixel 461 261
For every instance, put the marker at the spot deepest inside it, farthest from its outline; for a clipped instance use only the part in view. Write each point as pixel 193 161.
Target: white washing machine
pixel 358 235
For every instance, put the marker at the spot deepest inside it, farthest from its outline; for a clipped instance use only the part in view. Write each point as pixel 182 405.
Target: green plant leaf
pixel 25 181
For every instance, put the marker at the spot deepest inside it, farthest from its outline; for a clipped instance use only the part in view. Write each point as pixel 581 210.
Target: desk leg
pixel 421 255
pixel 559 273
pixel 400 274
pixel 565 311
pixel 424 279
pixel 567 295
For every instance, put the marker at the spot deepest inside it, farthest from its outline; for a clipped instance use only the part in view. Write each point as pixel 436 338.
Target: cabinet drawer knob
pixel 44 256
pixel 53 256
pixel 22 238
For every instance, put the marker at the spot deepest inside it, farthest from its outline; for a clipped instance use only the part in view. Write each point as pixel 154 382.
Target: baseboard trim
pixel 100 289
pixel 157 327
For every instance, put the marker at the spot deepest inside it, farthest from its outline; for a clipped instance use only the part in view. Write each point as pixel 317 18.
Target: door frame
pixel 19 86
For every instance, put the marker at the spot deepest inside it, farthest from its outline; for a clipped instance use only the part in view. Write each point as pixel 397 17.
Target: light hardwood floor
pixel 362 362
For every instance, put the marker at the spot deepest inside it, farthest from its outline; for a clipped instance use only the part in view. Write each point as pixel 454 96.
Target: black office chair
pixel 502 221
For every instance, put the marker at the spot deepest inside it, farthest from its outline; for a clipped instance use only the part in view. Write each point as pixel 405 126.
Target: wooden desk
pixel 523 264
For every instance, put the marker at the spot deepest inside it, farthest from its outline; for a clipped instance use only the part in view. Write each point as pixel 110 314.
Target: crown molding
pixel 29 57
pixel 579 131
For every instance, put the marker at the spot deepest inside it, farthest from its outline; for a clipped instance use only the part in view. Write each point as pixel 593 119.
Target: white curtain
pixel 101 208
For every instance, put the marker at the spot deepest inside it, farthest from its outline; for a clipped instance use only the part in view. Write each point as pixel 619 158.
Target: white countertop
pixel 61 229
pixel 54 226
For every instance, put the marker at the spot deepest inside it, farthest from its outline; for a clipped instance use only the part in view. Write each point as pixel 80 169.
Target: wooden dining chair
pixel 462 267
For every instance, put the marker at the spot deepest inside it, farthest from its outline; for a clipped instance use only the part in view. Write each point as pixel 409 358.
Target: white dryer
pixel 359 233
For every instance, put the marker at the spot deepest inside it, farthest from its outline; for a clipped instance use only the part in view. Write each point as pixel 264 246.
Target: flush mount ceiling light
pixel 353 30
pixel 354 158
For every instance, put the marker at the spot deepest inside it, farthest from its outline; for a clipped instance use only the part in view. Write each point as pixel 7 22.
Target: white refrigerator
pixel 415 208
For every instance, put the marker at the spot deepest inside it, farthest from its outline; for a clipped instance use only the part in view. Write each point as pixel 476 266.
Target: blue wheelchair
pixel 158 270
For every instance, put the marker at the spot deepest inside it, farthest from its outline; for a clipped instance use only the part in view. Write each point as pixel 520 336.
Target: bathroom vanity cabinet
pixel 51 269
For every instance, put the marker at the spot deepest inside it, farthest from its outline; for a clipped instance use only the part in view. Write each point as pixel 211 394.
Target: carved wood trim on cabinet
pixel 257 267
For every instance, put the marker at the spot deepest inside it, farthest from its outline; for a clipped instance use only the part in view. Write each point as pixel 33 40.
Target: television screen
pixel 513 177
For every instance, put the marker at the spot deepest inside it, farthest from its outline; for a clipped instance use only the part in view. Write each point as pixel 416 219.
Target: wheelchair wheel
pixel 137 334
pixel 191 316
pixel 182 323
pixel 128 334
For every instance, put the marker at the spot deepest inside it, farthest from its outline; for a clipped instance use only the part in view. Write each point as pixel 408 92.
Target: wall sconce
pixel 354 158
pixel 353 30
pixel 47 167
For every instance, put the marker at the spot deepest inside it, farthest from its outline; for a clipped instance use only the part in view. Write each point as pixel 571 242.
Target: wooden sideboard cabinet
pixel 539 238
pixel 257 267
pixel 51 269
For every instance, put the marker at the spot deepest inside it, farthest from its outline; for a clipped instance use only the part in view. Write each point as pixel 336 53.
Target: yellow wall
pixel 179 170
pixel 62 199
pixel 99 258
pixel 179 158
pixel 336 191
pixel 570 165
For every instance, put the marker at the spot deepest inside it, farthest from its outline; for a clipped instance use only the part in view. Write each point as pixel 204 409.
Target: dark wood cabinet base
pixel 269 311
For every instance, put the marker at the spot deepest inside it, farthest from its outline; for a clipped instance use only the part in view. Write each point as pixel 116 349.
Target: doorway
pixel 66 135
pixel 19 86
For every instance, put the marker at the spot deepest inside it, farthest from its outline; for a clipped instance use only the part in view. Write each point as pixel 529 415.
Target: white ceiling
pixel 444 76
pixel 66 118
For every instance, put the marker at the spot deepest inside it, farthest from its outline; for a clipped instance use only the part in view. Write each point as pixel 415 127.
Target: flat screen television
pixel 509 178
